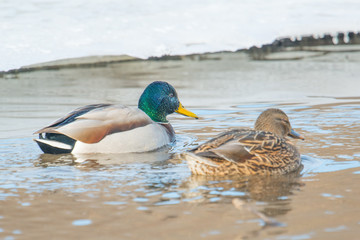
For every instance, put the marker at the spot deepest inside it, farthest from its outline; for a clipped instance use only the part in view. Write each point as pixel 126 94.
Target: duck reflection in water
pixel 273 192
pixel 99 160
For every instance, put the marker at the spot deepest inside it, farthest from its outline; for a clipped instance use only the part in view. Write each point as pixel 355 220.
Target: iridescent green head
pixel 160 99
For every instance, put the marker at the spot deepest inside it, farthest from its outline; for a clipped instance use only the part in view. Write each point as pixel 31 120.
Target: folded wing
pixel 239 145
pixel 90 124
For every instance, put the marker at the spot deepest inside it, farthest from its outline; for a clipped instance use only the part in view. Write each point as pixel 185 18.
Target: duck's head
pixel 276 121
pixel 160 99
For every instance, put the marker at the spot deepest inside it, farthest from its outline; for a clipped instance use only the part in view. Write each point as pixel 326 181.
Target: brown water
pixel 153 195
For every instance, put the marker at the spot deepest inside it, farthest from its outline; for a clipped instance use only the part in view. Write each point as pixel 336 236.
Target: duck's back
pixel 104 128
pixel 244 152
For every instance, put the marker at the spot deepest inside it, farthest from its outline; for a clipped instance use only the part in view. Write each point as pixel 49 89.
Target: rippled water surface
pixel 153 195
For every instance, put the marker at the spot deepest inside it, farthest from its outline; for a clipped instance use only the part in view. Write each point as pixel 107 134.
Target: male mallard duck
pixel 108 128
pixel 264 151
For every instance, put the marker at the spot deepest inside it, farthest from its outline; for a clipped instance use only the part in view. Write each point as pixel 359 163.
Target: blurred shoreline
pixel 280 49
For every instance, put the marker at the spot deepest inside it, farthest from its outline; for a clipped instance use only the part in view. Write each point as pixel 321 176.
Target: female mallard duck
pixel 264 151
pixel 108 128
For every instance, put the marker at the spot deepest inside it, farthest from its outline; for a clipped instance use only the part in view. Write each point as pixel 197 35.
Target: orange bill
pixel 184 111
pixel 295 135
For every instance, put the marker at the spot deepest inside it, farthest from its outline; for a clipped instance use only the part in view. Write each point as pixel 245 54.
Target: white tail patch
pixel 54 144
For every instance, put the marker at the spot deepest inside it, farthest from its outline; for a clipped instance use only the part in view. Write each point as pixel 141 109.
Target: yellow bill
pixel 183 111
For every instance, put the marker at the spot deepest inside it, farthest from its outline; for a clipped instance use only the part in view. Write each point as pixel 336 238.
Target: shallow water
pixel 153 195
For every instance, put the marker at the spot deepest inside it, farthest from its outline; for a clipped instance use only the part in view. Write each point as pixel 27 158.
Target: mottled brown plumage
pixel 264 151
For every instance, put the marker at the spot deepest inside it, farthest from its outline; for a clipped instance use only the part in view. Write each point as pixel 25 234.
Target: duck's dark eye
pixel 283 120
pixel 286 121
pixel 171 95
